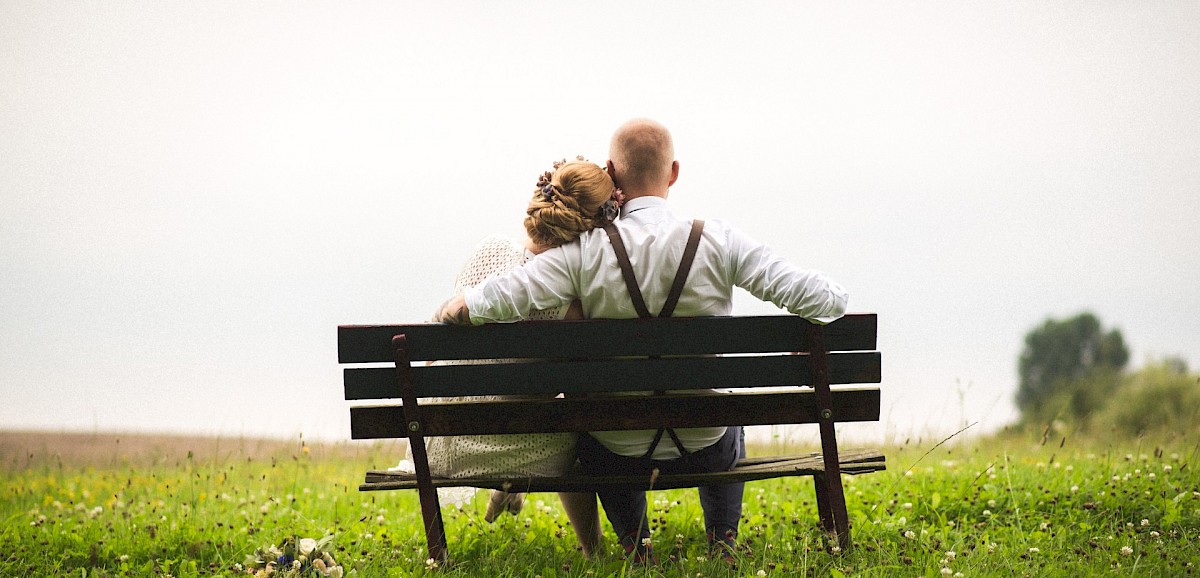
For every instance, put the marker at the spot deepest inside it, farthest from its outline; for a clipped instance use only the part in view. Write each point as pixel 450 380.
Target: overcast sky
pixel 194 195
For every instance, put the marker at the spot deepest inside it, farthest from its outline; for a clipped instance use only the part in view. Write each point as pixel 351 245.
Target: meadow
pixel 1014 505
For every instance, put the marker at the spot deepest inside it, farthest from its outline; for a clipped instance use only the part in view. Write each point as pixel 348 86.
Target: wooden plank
pixel 614 413
pixel 611 375
pixel 603 338
pixel 863 461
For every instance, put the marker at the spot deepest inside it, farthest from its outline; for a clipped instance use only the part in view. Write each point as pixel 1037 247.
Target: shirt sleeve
pixel 545 282
pixel 757 269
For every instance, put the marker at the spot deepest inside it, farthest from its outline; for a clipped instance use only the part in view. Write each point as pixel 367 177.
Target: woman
pixel 573 198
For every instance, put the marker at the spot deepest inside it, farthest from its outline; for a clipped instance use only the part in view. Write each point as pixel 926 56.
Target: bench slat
pixel 603 338
pixel 566 376
pixel 851 462
pixel 616 413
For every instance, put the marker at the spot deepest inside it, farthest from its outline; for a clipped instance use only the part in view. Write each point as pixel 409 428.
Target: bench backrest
pixel 543 358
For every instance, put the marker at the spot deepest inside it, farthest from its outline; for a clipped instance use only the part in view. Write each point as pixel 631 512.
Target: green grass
pixel 996 507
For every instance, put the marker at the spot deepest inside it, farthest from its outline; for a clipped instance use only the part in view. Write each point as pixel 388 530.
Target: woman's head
pixel 575 197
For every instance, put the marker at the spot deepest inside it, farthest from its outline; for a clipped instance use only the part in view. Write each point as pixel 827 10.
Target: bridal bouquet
pixel 294 558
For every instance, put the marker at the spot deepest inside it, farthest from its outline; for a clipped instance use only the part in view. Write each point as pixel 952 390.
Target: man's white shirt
pixel 587 269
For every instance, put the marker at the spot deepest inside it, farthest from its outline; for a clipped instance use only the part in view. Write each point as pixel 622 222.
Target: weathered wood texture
pixel 613 413
pixel 610 375
pixel 852 462
pixel 603 338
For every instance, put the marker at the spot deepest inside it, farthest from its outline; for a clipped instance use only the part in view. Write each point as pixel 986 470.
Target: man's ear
pixel 674 172
pixel 612 172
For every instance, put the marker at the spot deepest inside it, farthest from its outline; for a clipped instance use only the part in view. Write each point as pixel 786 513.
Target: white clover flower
pixel 761 573
pixel 910 534
pixel 431 563
pixel 906 505
pixel 1166 467
pixel 950 555
pixel 307 545
pixel 947 571
pixel 647 542
pixel 1154 534
pixel 991 503
pixel 835 550
pixel 987 513
pixel 1034 550
pixel 1126 551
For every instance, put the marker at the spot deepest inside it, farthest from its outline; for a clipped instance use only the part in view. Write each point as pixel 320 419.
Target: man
pixel 653 240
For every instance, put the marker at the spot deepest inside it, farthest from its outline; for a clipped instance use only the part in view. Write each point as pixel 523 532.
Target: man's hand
pixel 453 311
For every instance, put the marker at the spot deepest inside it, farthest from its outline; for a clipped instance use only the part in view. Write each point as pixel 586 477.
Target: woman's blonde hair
pixel 569 202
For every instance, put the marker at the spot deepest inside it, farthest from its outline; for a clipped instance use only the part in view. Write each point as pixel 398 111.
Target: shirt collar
pixel 647 202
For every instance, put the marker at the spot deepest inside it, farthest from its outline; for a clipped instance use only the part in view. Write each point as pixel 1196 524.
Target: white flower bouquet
pixel 295 557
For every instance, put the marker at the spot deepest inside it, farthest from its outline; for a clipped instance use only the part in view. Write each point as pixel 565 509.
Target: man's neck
pixel 629 196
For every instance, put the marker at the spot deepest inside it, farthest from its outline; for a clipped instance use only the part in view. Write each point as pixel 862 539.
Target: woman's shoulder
pixel 499 244
pixel 493 254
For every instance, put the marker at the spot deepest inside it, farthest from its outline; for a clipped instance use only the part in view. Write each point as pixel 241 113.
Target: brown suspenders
pixel 639 303
pixel 681 274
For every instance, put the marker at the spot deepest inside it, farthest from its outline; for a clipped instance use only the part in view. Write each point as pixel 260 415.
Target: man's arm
pixel 809 294
pixel 545 282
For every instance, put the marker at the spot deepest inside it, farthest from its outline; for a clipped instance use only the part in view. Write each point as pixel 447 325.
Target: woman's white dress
pixel 475 455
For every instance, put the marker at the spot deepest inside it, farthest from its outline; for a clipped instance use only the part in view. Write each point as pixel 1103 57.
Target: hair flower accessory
pixel 611 209
pixel 545 187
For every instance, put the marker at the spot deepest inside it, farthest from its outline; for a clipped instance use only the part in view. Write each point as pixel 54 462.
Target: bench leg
pixel 831 506
pixel 823 507
pixel 435 532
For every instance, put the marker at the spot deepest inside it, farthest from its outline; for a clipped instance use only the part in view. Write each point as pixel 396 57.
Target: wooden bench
pixel 794 360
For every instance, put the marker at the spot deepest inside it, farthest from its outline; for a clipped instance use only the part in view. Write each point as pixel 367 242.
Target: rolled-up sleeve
pixel 758 270
pixel 545 282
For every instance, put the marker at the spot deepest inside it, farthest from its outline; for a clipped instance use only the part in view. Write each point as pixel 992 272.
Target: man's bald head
pixel 642 157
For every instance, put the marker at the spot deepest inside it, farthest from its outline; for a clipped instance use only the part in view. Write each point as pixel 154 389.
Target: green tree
pixel 1069 363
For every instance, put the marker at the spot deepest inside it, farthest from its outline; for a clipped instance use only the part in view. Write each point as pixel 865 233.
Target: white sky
pixel 194 195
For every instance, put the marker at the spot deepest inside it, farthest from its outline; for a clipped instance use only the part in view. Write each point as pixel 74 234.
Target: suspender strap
pixel 681 274
pixel 635 293
pixel 639 303
pixel 685 267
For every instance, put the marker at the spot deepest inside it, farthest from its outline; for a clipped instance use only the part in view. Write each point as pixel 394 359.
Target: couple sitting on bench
pixel 603 243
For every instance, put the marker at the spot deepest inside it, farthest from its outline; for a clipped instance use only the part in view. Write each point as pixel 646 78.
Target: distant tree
pixel 1072 359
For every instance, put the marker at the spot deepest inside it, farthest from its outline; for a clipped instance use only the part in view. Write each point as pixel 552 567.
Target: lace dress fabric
pixel 521 455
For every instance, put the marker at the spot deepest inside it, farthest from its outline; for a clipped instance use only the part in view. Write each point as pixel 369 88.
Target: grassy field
pixel 108 505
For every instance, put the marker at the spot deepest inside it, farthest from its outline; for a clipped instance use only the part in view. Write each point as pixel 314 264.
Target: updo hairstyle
pixel 569 202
